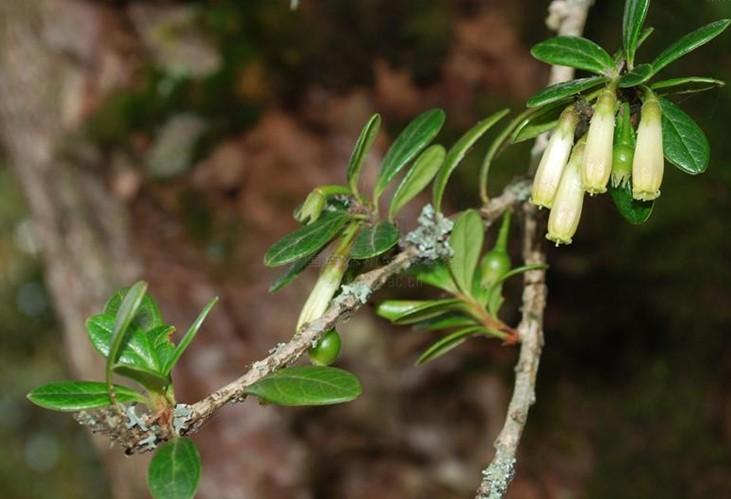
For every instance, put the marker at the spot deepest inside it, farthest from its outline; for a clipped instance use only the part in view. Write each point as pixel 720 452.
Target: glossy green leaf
pixel 446 322
pixel 637 76
pixel 434 274
pixel 466 241
pixel 686 85
pixel 375 240
pixel 429 310
pixel 684 143
pixel 690 42
pixel 365 141
pixel 415 137
pixel 148 314
pixel 174 470
pixel 72 396
pixel 530 132
pixel 448 343
pixel 575 52
pixel 307 385
pixel 418 177
pixel 564 90
pixel 185 341
pixel 152 380
pixel 635 12
pixel 126 312
pixel 292 272
pixel 457 152
pixel 306 240
pixel 139 348
pixel 634 211
pixel 645 35
pixel 393 309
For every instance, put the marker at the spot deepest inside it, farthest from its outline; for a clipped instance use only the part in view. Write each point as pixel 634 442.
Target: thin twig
pixel 567 17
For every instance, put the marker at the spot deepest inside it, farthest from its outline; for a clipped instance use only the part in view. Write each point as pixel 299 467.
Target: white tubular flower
pixel 327 285
pixel 648 163
pixel 566 212
pixel 599 142
pixel 553 161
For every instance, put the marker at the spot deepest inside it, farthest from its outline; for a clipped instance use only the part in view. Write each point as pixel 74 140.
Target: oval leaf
pixel 72 396
pixel 434 274
pixel 174 470
pixel 563 90
pixel 415 137
pixel 360 151
pixel 457 153
pixel 426 166
pixel 576 52
pixel 690 42
pixel 431 309
pixel 307 385
pixel 635 12
pixel 139 348
pixel 687 85
pixel 393 309
pixel 307 240
pixel 466 242
pixel 638 75
pixel 148 314
pixel 684 143
pixel 292 272
pixel 634 211
pixel 375 240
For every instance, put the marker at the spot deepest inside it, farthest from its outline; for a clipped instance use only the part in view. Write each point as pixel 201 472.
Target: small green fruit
pixel 494 265
pixel 327 350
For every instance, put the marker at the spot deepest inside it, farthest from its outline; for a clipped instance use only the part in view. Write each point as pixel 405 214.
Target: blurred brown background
pixel 172 140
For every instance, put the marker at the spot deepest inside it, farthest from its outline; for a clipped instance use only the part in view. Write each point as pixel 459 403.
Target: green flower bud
pixel 496 262
pixel 312 207
pixel 624 152
pixel 327 349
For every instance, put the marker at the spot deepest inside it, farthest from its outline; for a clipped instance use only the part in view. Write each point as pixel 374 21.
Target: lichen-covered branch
pixel 142 432
pixel 567 17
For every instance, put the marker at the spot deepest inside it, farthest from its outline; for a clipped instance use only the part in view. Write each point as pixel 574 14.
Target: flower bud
pixel 648 164
pixel 624 150
pixel 325 288
pixel 553 161
pixel 312 207
pixel 566 212
pixel 598 157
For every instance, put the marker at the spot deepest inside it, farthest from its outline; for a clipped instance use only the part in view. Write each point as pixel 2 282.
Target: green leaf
pixel 645 35
pixel 292 272
pixel 458 151
pixel 127 311
pixel 446 322
pixel 139 348
pixel 148 315
pixel 188 338
pixel 684 143
pixel 152 380
pixel 72 396
pixel 686 85
pixel 429 310
pixel 448 343
pixel 690 42
pixel 635 12
pixel 375 240
pixel 307 385
pixel 418 177
pixel 564 90
pixel 634 211
pixel 466 242
pixel 575 52
pixel 638 75
pixel 532 131
pixel 306 240
pixel 174 470
pixel 415 137
pixel 393 309
pixel 434 274
pixel 360 151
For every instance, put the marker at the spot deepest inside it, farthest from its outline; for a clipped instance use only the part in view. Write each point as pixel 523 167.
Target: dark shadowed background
pixel 172 140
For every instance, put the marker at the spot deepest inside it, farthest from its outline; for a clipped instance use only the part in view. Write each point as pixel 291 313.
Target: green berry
pixel 327 349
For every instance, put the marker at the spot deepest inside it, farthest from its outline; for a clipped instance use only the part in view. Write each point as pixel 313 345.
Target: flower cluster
pixel 567 170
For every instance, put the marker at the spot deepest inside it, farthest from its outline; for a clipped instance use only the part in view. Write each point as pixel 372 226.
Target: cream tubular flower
pixel 599 142
pixel 327 285
pixel 566 212
pixel 648 163
pixel 553 161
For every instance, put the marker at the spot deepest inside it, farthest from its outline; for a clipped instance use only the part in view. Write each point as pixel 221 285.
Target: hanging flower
pixel 566 212
pixel 648 164
pixel 548 174
pixel 624 149
pixel 598 158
